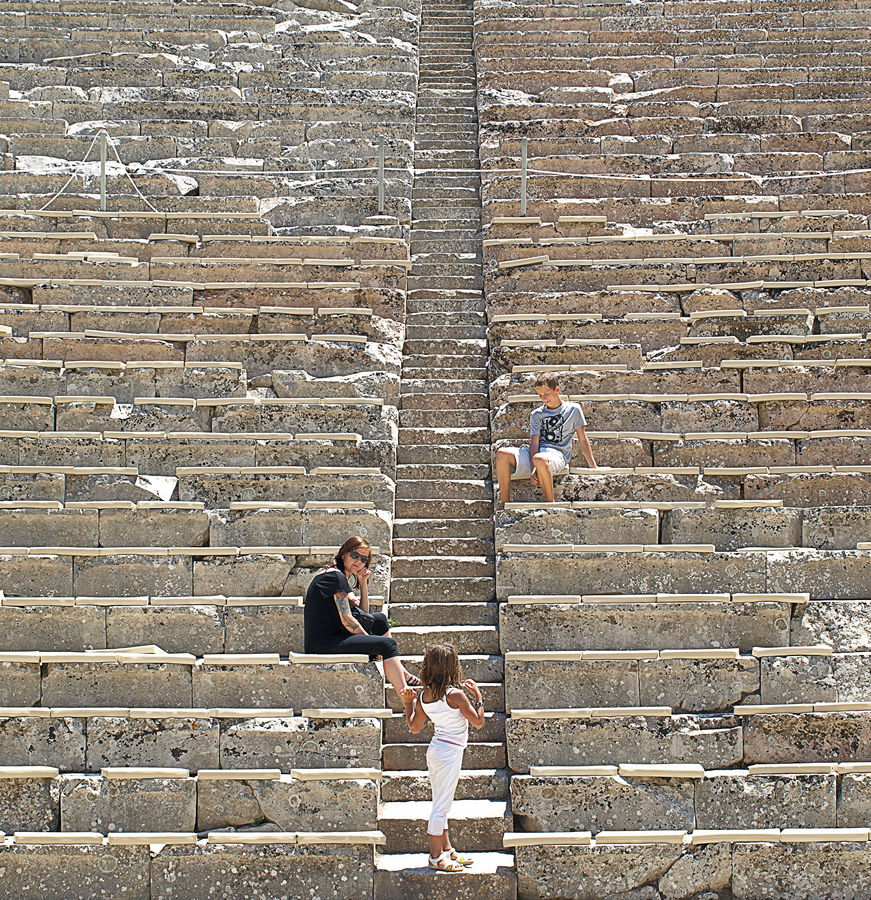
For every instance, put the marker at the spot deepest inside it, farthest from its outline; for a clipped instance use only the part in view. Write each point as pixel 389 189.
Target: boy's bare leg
pixel 545 478
pixel 504 467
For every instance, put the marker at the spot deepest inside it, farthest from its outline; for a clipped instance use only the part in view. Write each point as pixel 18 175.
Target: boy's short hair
pixel 547 379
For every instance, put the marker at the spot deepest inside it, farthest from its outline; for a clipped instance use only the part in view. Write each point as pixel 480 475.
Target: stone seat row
pixel 142 801
pixel 779 734
pixel 90 739
pixel 693 681
pixel 725 525
pixel 834 574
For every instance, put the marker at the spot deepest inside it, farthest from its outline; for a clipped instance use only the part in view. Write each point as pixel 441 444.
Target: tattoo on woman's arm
pixel 342 604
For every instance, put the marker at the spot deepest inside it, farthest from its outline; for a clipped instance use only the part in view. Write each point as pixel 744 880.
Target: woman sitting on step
pixel 338 621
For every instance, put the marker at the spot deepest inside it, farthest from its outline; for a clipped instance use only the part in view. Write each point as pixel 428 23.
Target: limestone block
pixel 160 456
pixel 61 628
pixel 29 804
pixel 44 486
pixel 854 797
pixel 709 415
pixel 810 737
pixel 124 386
pixel 326 452
pixel 175 629
pixel 835 574
pixel 26 416
pixel 539 685
pixel 288 805
pixel 32 741
pixel 19 685
pixel 712 742
pixel 821 451
pixel 632 573
pixel 342 871
pixel 738 800
pixel 730 529
pixel 154 527
pixel 811 489
pixel 842 624
pixel 289 684
pixel 191 743
pixel 113 684
pixel 252 575
pixel 75 872
pixel 86 487
pixel 839 678
pixel 51 576
pixel 211 381
pixel 640 626
pixel 697 685
pixel 48 528
pixel 264 629
pixel 300 743
pixel 580 803
pixel 832 528
pixel 134 576
pixel 612 871
pixel 298 383
pixel 576 526
pixel 94 803
pixel 839 871
pixel 71 451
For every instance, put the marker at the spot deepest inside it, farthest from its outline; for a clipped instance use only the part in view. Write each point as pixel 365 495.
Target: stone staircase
pixel 443 580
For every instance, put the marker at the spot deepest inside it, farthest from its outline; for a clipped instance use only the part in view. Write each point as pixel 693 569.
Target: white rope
pixel 69 180
pixel 145 200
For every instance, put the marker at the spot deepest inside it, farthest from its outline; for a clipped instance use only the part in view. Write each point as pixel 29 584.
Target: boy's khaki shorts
pixel 556 462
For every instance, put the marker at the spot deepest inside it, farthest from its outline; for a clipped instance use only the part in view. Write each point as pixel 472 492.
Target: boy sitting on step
pixel 551 429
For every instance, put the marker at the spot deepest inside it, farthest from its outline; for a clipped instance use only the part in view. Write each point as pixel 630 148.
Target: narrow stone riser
pixel 489 784
pixel 470 834
pixel 401 757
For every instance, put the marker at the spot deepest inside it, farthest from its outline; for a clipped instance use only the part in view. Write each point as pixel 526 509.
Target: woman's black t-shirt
pixel 321 617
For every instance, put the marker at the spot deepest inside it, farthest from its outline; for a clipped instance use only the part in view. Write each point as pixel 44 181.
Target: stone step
pixel 439 472
pixel 447 589
pixel 445 435
pixel 468 244
pixel 451 348
pixel 460 282
pixel 453 546
pixel 413 508
pixel 470 353
pixel 476 825
pixel 406 876
pixel 437 613
pixel 466 638
pixel 494 702
pixel 452 318
pixel 396 729
pixel 444 528
pixel 444 332
pixel 445 270
pixel 478 755
pixel 442 565
pixel 452 402
pixel 482 667
pixel 432 418
pixel 458 454
pixel 444 489
pixel 474 784
pixel 469 387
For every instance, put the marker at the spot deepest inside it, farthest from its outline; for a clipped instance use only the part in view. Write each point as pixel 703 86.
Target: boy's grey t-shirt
pixel 556 427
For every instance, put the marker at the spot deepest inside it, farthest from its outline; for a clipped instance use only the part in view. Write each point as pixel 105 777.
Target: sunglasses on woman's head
pixel 355 555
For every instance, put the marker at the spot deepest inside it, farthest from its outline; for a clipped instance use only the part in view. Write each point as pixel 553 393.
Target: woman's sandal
pixel 445 864
pixel 459 858
pixel 412 680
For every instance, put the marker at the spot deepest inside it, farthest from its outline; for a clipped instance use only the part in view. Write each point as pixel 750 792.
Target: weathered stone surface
pixel 287 684
pixel 589 803
pixel 72 628
pixel 740 800
pixel 830 528
pixel 75 873
pixel 27 741
pixel 768 871
pixel 264 629
pixel 703 873
pixel 19 684
pixel 188 743
pixel 29 804
pixel 300 743
pixel 114 684
pixel 276 872
pixel 630 573
pixel 48 528
pixel 253 575
pixel 559 871
pixel 854 800
pixel 838 574
pixel 92 803
pixel 697 685
pixel 809 737
pixel 531 685
pixel 714 742
pixel 576 526
pixel 640 626
pixel 175 629
pixel 730 529
pixel 845 625
pixel 20 575
pixel 288 805
pixel 135 576
pixel 159 528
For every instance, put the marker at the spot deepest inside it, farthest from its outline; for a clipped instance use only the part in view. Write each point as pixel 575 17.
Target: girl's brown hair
pixel 353 543
pixel 441 669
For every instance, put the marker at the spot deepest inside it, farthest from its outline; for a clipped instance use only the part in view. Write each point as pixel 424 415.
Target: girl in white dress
pixel 443 701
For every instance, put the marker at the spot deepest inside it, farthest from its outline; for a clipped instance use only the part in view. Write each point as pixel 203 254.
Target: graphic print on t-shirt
pixel 552 429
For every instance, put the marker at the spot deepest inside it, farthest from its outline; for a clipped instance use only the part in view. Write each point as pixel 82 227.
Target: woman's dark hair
pixel 353 543
pixel 441 669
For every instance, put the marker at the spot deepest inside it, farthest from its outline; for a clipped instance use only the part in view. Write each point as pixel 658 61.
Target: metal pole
pixel 380 176
pixel 523 178
pixel 103 170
